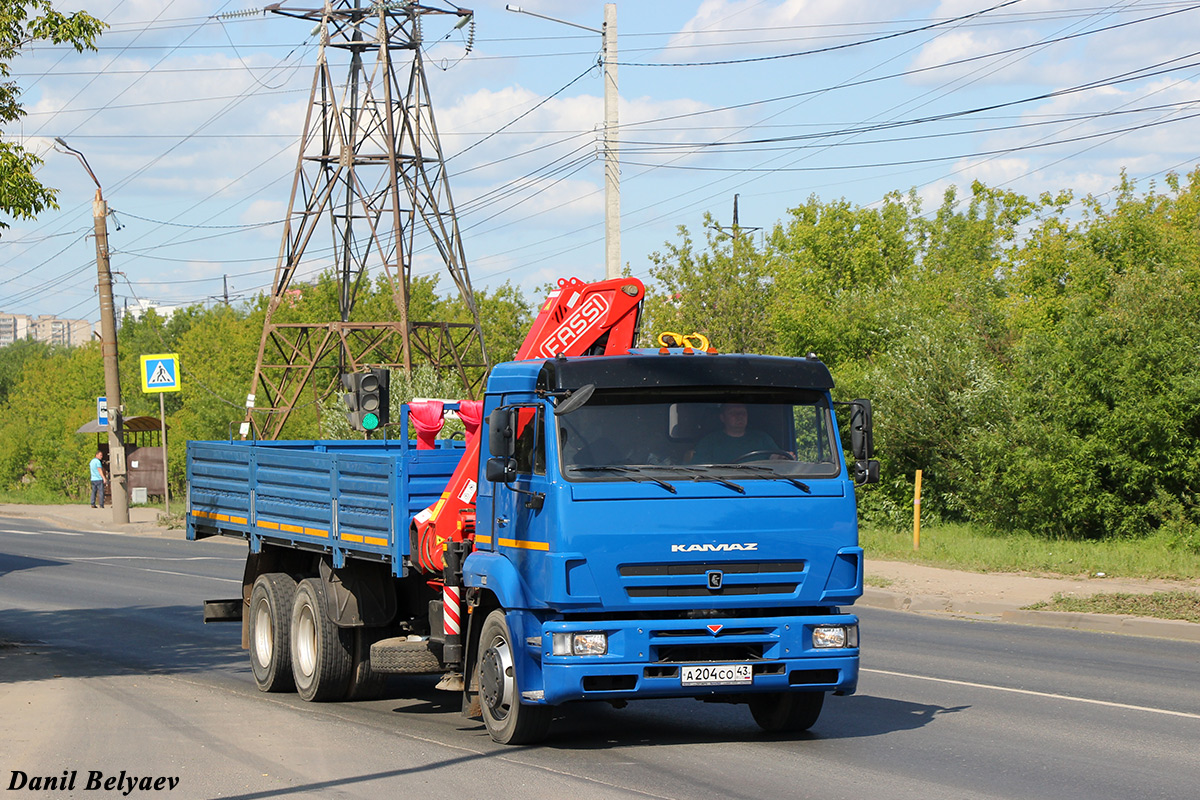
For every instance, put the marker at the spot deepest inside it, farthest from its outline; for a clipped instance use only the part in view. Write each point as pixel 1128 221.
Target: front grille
pixel 697 632
pixel 704 591
pixel 702 568
pixel 691 579
pixel 686 653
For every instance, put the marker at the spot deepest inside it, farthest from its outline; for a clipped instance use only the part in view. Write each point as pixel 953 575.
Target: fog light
pixel 835 636
pixel 580 644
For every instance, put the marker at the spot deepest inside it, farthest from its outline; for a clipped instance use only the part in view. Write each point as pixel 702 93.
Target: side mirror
pixel 862 437
pixel 575 400
pixel 866 472
pixel 501 470
pixel 501 441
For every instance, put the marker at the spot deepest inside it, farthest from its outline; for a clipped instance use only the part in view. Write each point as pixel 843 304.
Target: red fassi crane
pixel 577 319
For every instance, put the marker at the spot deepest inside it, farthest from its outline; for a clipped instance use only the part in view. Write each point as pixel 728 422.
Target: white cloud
pixel 741 25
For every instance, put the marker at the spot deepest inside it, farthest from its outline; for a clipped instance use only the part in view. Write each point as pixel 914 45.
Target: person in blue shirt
pixel 96 469
pixel 734 440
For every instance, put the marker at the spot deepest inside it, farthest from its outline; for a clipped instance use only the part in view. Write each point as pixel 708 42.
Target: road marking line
pixel 1030 692
pixel 149 558
pixel 101 561
pixel 39 533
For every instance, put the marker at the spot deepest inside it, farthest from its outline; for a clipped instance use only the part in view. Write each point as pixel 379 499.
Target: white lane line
pixel 103 562
pixel 1048 695
pixel 148 558
pixel 171 572
pixel 39 533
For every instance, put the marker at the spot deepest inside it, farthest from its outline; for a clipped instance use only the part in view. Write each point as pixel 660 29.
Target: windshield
pixel 730 433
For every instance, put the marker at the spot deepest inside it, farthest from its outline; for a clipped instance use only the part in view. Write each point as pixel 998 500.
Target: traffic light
pixel 373 398
pixel 367 398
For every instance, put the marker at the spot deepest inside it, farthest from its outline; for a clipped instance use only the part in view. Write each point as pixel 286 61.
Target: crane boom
pixel 577 319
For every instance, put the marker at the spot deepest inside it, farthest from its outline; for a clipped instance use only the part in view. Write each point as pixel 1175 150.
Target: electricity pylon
pixel 370 164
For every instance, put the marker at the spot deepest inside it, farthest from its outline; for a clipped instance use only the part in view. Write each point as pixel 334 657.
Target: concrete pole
pixel 612 167
pixel 112 373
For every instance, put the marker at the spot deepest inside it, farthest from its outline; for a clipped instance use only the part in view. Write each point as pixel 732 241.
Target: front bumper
pixel 645 658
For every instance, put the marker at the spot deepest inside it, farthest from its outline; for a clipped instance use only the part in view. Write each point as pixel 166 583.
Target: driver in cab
pixel 734 440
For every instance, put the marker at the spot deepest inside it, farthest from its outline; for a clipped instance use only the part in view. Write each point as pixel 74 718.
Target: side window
pixel 812 434
pixel 531 443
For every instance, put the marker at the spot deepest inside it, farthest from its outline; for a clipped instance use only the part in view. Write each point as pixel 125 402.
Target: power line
pixel 818 50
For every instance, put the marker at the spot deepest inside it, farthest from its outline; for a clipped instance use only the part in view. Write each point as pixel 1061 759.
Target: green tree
pixel 54 396
pixel 1105 431
pixel 721 291
pixel 22 195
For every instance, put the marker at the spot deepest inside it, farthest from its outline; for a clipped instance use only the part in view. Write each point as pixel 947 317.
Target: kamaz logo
pixel 713 548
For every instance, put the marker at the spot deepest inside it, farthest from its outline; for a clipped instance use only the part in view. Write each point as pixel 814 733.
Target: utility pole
pixel 108 348
pixel 612 163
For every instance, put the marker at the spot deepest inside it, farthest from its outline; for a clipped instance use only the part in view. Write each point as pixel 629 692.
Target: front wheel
pixel 507 720
pixel 787 712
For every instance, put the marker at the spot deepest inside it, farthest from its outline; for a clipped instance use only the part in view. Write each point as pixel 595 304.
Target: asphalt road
pixel 105 666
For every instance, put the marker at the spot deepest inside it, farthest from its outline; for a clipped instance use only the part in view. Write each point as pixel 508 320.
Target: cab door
pixel 516 518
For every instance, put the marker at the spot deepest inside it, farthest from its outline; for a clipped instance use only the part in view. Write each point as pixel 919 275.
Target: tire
pixel 506 719
pixel 787 712
pixel 322 653
pixel 271 601
pixel 406 658
pixel 365 683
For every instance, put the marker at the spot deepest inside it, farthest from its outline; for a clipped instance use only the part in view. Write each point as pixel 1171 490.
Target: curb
pixel 101 524
pixel 1178 630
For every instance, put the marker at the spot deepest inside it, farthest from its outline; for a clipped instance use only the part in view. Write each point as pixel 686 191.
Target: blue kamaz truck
pixel 655 523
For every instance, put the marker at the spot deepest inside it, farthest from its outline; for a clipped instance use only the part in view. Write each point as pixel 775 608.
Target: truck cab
pixel 662 524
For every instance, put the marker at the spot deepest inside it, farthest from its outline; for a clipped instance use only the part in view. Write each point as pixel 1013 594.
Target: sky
pixel 190 115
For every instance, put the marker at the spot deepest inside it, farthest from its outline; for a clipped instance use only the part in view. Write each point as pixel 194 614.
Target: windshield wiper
pixel 699 473
pixel 756 468
pixel 632 473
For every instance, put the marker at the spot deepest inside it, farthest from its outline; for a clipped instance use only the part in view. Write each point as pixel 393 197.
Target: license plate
pixel 717 674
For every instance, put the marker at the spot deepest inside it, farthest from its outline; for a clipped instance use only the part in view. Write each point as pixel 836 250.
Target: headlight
pixel 580 644
pixel 835 636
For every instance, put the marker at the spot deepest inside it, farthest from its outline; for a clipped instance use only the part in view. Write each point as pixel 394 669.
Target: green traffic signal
pixel 367 398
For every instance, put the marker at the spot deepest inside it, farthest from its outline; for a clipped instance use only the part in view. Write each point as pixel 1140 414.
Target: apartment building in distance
pixel 44 328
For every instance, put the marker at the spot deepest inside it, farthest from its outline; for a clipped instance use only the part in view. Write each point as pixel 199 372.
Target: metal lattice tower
pixel 371 165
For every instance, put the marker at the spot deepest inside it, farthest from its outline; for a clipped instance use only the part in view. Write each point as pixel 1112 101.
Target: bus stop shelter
pixel 143 452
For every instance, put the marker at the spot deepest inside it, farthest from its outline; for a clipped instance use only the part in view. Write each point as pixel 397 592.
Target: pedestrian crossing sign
pixel 160 373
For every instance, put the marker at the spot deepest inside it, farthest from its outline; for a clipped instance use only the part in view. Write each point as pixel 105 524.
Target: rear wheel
pixel 787 712
pixel 270 631
pixel 507 720
pixel 322 653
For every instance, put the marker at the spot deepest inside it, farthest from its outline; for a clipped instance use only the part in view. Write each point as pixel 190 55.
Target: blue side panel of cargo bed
pixel 345 498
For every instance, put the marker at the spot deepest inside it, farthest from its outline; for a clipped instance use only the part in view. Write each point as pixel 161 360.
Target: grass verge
pixel 976 550
pixel 1161 605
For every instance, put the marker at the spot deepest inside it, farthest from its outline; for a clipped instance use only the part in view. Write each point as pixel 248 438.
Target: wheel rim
pixel 306 641
pixel 496 678
pixel 264 641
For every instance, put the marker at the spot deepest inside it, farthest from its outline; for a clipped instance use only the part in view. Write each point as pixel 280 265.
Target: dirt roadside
pixel 891 585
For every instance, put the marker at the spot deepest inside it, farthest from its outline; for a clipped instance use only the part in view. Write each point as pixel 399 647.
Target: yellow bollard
pixel 917 513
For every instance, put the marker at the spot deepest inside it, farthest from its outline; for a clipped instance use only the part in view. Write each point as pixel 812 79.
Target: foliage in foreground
pixel 22 23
